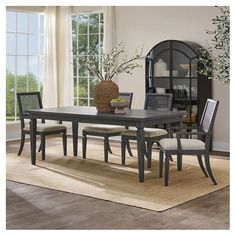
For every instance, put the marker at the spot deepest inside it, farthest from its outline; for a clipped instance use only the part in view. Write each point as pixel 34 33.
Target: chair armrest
pixel 185 127
pixel 179 134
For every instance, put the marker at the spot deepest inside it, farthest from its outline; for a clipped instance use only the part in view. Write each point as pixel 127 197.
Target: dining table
pixel 138 118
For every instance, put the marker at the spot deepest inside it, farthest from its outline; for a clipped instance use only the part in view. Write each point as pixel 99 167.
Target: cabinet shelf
pixel 179 59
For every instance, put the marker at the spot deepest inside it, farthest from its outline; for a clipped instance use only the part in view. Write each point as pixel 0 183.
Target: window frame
pixel 76 97
pixel 40 56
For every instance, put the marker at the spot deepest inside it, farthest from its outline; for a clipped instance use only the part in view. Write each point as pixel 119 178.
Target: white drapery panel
pixel 109 28
pixel 58 82
pixel 50 78
pixel 64 60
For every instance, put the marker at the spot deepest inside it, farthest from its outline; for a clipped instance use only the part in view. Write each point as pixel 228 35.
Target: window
pixel 24 56
pixel 87 32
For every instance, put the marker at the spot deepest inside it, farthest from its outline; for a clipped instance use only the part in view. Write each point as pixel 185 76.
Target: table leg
pixel 33 140
pixel 75 137
pixel 140 149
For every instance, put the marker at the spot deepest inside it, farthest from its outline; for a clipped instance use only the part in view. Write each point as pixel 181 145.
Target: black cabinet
pixel 172 67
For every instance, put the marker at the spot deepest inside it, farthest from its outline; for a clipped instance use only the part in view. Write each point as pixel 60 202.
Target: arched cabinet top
pixel 187 48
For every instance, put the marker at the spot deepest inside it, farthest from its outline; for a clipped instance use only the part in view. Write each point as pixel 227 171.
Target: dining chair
pixel 153 101
pixel 105 131
pixel 32 100
pixel 189 145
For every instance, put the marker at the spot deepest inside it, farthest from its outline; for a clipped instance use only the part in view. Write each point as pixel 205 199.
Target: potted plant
pixel 106 68
pixel 216 59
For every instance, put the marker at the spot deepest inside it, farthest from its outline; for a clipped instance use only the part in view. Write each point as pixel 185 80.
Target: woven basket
pixel 105 91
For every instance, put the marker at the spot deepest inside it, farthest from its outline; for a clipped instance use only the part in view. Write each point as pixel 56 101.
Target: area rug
pixel 112 181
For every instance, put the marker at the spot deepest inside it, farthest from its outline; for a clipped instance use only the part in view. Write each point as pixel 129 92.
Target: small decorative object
pixel 110 65
pixel 119 104
pixel 160 90
pixel 159 68
pixel 175 73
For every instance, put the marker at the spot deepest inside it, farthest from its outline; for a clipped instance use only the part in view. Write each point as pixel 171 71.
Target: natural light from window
pixel 24 57
pixel 87 33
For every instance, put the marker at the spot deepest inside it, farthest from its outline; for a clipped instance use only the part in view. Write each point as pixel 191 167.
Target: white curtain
pixel 64 59
pixel 50 79
pixel 109 28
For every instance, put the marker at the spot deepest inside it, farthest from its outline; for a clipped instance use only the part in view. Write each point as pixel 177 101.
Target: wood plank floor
pixel 31 207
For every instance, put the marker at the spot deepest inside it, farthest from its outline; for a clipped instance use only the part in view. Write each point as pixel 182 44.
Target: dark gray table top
pixel 133 114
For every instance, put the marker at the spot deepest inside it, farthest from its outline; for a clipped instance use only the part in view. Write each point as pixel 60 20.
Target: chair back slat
pixel 27 101
pixel 162 102
pixel 208 116
pixel 128 96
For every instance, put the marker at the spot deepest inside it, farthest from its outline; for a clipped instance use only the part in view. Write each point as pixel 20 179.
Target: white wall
pixel 147 26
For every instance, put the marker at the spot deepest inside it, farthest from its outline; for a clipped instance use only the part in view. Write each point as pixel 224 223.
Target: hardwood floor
pixel 31 207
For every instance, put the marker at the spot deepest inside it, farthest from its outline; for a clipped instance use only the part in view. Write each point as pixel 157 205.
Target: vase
pixel 160 68
pixel 105 91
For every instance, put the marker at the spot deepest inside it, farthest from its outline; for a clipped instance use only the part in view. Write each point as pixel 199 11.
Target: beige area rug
pixel 114 182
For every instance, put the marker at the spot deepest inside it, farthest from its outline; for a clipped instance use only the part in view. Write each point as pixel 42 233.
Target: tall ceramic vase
pixel 105 91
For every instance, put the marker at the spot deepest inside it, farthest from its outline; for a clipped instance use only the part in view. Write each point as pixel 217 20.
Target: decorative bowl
pixel 120 106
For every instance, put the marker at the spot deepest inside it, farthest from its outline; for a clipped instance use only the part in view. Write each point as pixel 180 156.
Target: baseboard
pixel 223 147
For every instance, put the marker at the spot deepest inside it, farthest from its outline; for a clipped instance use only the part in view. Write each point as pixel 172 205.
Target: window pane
pixel 74 24
pixel 101 23
pixel 82 47
pixel 10 65
pixel 10 97
pixel 74 44
pixel 93 81
pixel 21 83
pixel 21 44
pixel 33 45
pixel 83 24
pixel 10 44
pixel 93 23
pixel 75 87
pixel 83 87
pixel 92 102
pixel 22 22
pixel 10 21
pixel 33 65
pixel 83 102
pixel 94 43
pixel 41 66
pixel 33 23
pixel 32 83
pixel 42 45
pixel 41 24
pixel 21 66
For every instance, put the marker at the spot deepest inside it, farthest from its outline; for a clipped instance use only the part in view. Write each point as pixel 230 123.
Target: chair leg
pixel 43 146
pixel 40 147
pixel 84 143
pixel 109 147
pixel 166 170
pixel 160 164
pixel 179 162
pixel 106 149
pixel 64 140
pixel 128 148
pixel 123 149
pixel 149 154
pixel 208 167
pixel 199 157
pixel 22 142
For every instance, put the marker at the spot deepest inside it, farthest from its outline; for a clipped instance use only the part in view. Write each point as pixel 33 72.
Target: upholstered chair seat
pixel 46 127
pixel 149 132
pixel 186 144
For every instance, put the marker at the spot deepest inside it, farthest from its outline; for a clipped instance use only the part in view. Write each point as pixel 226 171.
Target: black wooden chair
pixel 32 100
pixel 105 131
pixel 189 146
pixel 153 101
